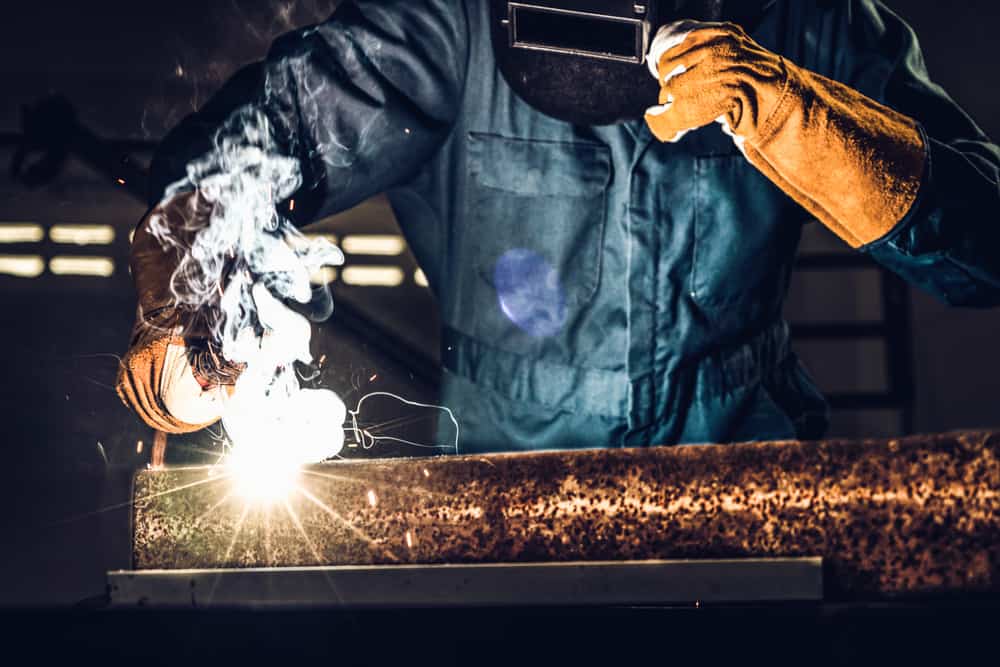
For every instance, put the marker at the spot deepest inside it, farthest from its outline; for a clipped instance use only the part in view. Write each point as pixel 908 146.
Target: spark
pixel 409 539
pixel 373 377
pixel 302 530
pixel 427 473
pixel 236 533
pixel 312 547
pixel 372 500
pixel 222 501
pixel 268 549
pixel 138 447
pixel 229 550
pixel 350 526
pixel 136 501
pixel 121 181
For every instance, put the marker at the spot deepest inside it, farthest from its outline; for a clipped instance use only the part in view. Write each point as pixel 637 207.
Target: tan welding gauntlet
pixel 853 163
pixel 172 375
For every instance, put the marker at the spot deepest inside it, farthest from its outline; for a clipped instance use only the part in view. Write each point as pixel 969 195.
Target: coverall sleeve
pixel 949 242
pixel 362 100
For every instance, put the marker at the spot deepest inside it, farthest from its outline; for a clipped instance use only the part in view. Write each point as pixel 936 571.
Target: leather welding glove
pixel 172 375
pixel 853 163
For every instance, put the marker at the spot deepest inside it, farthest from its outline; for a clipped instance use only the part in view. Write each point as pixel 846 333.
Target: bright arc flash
pixel 262 475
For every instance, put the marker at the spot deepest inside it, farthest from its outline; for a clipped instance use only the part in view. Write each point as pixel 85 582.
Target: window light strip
pixel 373 276
pixel 22 266
pixel 373 244
pixel 82 234
pixel 17 232
pixel 82 266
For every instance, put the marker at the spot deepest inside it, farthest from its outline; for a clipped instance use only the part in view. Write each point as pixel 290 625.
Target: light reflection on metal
pixel 420 278
pixel 15 232
pixel 102 267
pixel 82 234
pixel 22 266
pixel 373 244
pixel 373 276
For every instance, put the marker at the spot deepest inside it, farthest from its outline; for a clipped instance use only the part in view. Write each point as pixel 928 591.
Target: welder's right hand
pixel 172 375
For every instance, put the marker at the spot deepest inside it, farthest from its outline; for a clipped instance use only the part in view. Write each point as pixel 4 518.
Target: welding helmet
pixel 582 61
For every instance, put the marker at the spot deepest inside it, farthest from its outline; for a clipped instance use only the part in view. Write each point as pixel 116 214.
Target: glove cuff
pixel 855 164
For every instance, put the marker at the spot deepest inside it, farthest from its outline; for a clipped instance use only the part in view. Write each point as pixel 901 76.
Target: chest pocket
pixel 531 243
pixel 745 237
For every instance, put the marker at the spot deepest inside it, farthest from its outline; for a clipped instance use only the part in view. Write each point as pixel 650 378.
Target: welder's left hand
pixel 853 163
pixel 711 72
pixel 172 375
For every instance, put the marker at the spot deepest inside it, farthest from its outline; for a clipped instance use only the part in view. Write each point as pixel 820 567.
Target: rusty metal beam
pixel 917 515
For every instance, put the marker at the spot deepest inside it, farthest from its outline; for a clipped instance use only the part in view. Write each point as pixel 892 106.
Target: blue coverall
pixel 599 288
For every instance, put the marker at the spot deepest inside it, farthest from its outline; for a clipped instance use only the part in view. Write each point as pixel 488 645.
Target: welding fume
pixel 606 198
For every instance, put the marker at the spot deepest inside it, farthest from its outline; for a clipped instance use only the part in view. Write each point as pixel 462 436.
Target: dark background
pixel 131 71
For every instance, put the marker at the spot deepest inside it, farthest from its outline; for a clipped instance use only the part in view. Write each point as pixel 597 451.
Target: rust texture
pixel 914 515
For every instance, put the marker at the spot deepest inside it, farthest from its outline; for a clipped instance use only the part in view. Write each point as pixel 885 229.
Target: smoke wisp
pixel 245 266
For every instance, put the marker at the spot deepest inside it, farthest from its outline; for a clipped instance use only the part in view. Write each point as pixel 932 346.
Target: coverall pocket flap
pixel 532 235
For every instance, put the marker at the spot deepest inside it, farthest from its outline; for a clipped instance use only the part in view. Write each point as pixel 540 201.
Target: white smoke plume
pixel 249 262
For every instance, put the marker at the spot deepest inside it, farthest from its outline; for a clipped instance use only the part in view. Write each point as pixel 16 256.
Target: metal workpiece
pixel 483 584
pixel 888 517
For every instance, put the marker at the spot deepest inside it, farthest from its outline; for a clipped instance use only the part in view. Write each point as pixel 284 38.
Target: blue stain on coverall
pixel 667 264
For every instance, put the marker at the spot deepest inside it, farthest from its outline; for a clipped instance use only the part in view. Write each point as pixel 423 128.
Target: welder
pixel 606 198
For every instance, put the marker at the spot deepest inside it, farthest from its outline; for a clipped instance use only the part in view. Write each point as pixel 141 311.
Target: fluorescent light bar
pixel 82 234
pixel 373 244
pixel 420 278
pixel 82 266
pixel 373 276
pixel 16 232
pixel 324 276
pixel 22 266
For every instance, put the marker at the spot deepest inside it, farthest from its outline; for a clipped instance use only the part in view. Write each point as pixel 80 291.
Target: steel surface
pixel 888 517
